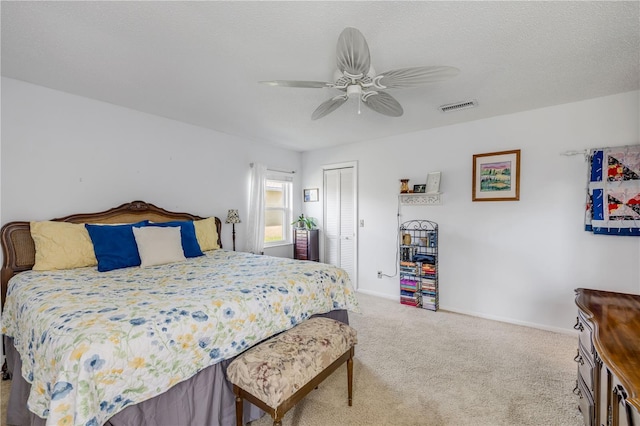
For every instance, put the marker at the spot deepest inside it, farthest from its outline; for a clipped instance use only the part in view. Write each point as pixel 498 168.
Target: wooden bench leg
pixel 277 418
pixel 350 377
pixel 239 408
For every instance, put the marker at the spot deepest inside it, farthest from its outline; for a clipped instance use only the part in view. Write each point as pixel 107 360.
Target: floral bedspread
pixel 93 343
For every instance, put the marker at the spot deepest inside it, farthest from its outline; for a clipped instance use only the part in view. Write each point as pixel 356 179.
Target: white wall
pixel 64 154
pixel 513 261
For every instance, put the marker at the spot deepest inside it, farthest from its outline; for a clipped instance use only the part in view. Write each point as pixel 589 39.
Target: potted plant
pixel 304 222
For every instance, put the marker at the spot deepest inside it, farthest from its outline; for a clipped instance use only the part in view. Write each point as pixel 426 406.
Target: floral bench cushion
pixel 274 370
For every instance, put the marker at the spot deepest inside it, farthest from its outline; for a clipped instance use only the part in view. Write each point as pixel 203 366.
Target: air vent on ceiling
pixel 458 106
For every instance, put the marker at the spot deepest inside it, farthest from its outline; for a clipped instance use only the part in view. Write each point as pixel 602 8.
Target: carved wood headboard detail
pixel 19 250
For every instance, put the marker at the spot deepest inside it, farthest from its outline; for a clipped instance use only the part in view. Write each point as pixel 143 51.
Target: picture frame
pixel 418 189
pixel 433 183
pixel 310 195
pixel 496 176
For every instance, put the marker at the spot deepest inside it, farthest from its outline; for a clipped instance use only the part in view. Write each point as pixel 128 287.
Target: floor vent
pixel 458 106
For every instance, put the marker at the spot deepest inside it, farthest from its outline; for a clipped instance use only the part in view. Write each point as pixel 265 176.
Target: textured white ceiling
pixel 199 62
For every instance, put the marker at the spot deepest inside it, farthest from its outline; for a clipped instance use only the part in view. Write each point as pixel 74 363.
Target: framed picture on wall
pixel 496 176
pixel 433 183
pixel 310 195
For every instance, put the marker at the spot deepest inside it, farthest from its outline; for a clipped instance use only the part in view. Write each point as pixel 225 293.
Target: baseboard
pixel 510 321
pixel 382 295
pixel 479 315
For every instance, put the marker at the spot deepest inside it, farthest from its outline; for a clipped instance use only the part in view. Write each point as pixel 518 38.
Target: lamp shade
pixel 232 216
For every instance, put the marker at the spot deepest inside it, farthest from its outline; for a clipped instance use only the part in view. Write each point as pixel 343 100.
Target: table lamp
pixel 233 218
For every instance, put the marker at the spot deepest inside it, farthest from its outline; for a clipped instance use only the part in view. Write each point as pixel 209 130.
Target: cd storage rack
pixel 419 264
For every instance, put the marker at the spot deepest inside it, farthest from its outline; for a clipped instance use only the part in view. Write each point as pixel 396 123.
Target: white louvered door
pixel 332 217
pixel 340 242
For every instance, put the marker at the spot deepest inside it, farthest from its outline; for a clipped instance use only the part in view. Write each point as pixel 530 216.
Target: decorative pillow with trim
pixel 190 244
pixel 207 233
pixel 114 245
pixel 158 245
pixel 61 245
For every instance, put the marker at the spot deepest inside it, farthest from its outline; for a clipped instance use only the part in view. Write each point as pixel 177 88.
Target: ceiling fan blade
pixel 384 103
pixel 328 106
pixel 294 83
pixel 353 52
pixel 416 76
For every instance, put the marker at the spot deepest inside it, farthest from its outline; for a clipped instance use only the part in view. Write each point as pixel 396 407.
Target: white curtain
pixel 255 224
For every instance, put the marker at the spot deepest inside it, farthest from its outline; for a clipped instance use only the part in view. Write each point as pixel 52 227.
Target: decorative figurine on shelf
pixel 404 186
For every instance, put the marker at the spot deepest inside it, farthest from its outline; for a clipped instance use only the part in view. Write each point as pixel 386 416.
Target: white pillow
pixel 158 245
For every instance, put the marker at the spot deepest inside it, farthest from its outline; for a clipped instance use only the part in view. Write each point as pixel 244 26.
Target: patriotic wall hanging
pixel 613 194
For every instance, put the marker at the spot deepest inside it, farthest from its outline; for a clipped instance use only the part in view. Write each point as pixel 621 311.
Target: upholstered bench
pixel 279 372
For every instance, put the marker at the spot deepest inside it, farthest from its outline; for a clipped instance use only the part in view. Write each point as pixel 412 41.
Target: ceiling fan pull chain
pixel 359 103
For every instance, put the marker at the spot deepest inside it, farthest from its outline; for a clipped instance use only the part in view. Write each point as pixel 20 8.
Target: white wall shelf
pixel 418 199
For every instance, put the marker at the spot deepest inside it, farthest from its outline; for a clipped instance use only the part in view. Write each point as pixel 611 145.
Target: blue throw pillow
pixel 190 245
pixel 114 245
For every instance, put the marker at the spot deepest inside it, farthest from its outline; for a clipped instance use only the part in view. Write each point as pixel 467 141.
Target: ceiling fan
pixel 356 78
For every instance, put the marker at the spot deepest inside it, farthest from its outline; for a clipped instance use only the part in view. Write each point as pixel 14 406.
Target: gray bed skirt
pixel 205 399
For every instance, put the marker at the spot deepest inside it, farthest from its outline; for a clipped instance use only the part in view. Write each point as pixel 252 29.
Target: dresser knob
pixel 578 325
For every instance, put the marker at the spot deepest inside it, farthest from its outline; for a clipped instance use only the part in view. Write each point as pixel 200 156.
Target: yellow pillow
pixel 61 245
pixel 207 233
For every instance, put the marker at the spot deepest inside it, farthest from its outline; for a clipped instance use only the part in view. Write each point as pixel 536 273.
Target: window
pixel 278 210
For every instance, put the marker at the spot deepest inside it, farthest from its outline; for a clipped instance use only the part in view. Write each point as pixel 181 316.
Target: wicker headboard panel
pixel 19 250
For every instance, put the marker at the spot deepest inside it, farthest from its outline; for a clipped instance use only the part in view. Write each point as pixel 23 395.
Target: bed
pixel 147 345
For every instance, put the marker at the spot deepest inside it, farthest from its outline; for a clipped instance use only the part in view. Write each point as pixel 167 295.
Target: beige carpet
pixel 417 367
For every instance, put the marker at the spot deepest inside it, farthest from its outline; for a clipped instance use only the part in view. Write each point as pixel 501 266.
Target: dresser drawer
pixel 586 333
pixel 585 403
pixel 585 367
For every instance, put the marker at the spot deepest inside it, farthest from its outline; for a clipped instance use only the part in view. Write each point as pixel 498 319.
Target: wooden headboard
pixel 19 250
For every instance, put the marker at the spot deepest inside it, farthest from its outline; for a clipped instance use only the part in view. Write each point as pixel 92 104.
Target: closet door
pixel 332 217
pixel 340 215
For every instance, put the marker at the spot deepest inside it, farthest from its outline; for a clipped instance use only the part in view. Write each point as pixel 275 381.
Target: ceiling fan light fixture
pixel 354 90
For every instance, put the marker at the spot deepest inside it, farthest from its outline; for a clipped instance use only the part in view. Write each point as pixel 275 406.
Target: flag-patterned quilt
pixel 613 198
pixel 93 343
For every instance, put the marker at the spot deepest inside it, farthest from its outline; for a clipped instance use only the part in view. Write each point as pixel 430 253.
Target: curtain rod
pixel 276 170
pixel 572 153
pixel 584 153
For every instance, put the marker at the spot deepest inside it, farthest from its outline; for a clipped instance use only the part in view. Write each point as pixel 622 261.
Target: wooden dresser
pixel 305 244
pixel 608 357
